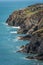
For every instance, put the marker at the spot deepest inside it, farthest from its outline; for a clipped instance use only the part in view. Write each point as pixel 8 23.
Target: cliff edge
pixel 30 20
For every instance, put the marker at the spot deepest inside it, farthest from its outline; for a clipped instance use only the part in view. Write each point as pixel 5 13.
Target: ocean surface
pixel 9 42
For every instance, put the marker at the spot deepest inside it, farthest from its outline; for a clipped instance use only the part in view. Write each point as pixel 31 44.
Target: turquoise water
pixel 9 43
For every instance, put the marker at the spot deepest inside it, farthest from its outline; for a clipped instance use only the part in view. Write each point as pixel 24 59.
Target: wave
pixel 18 27
pixel 13 32
pixel 5 23
pixel 18 38
pixel 18 47
pixel 15 40
pixel 25 58
pixel 29 59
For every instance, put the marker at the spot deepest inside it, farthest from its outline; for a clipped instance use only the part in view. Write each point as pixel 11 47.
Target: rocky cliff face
pixel 26 18
pixel 35 46
pixel 30 21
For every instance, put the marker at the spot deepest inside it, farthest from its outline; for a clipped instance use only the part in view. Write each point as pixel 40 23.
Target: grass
pixel 29 13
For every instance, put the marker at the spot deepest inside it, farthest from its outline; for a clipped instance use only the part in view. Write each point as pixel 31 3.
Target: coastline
pixel 30 20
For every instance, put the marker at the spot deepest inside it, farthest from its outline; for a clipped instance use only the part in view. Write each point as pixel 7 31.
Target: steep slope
pixel 30 21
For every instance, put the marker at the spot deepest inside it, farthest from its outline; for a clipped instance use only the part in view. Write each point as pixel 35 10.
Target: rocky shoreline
pixel 30 20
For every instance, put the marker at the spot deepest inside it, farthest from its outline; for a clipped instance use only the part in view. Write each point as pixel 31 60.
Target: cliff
pixel 30 21
pixel 26 18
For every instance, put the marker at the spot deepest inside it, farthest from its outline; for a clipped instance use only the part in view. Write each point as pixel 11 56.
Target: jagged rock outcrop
pixel 30 21
pixel 26 18
pixel 35 46
pixel 39 57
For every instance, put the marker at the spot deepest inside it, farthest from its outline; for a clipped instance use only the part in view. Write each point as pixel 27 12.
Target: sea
pixel 9 43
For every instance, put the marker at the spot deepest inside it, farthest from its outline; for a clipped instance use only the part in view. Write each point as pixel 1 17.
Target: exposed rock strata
pixel 35 46
pixel 30 21
pixel 26 18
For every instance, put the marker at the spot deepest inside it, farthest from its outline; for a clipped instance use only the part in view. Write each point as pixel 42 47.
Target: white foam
pixel 13 32
pixel 18 27
pixel 18 38
pixel 17 47
pixel 15 40
pixel 26 58
pixel 5 23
